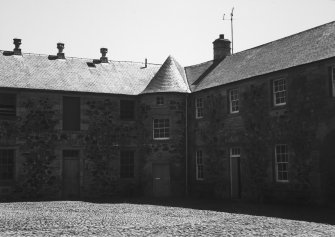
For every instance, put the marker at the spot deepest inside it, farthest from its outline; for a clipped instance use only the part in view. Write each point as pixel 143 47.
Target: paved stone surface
pixel 66 218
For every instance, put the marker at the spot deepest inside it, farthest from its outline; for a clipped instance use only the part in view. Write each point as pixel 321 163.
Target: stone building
pixel 258 124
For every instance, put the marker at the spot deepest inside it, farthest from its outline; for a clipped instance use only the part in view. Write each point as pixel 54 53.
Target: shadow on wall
pixel 327 166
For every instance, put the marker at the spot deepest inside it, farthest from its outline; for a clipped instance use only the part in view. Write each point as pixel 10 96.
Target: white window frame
pixel 279 91
pixel 159 100
pixel 162 127
pixel 333 80
pixel 199 165
pixel 234 97
pixel 199 108
pixel 283 155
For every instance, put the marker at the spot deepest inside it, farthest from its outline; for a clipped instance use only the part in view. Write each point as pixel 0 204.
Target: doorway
pixel 235 173
pixel 71 174
pixel 161 180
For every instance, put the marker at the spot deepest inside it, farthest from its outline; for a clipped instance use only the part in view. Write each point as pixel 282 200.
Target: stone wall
pixel 171 151
pixel 38 139
pixel 303 124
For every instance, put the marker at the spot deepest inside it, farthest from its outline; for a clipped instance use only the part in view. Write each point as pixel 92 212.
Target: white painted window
pixel 234 101
pixel 333 80
pixel 281 156
pixel 159 100
pixel 199 108
pixel 279 92
pixel 199 165
pixel 161 129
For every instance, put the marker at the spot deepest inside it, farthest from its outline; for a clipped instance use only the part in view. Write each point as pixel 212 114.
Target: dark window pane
pixel 127 109
pixel 71 153
pixel 71 113
pixel 6 164
pixel 7 104
pixel 127 164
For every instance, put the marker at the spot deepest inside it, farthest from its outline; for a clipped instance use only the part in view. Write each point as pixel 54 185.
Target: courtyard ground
pixel 140 217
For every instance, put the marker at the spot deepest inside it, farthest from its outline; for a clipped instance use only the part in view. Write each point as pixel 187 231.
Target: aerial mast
pixel 232 34
pixel 231 27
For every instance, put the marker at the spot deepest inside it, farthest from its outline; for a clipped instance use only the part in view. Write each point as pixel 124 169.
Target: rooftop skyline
pixel 135 30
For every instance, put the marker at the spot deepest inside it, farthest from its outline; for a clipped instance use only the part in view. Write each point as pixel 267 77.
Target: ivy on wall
pixel 36 130
pixel 104 138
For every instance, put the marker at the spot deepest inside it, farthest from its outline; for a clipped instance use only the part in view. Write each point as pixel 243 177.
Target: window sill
pixel 279 106
pixel 161 139
pixel 282 181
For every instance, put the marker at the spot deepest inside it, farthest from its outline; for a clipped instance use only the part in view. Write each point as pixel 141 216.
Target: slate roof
pixel 169 78
pixel 305 47
pixel 32 71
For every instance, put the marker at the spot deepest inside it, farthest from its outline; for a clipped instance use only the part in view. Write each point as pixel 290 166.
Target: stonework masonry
pixel 256 125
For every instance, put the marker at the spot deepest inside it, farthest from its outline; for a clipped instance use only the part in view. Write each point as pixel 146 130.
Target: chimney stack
pixel 17 50
pixel 103 52
pixel 221 48
pixel 60 54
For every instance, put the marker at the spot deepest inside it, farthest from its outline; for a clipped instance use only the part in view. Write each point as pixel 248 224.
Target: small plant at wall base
pixel 37 128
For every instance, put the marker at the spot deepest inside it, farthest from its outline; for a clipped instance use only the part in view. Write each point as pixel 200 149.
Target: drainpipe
pixel 186 146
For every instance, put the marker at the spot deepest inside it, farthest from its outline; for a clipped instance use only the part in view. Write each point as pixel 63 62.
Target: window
pixel 126 164
pixel 199 165
pixel 333 80
pixel 235 152
pixel 234 101
pixel 6 164
pixel 281 156
pixel 71 154
pixel 127 109
pixel 161 129
pixel 71 113
pixel 160 100
pixel 8 104
pixel 199 108
pixel 279 92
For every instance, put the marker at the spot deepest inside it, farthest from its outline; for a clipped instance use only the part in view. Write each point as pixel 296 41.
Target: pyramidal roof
pixel 169 78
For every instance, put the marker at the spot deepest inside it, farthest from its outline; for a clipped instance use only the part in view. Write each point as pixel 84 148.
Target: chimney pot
pixel 103 52
pixel 17 43
pixel 60 54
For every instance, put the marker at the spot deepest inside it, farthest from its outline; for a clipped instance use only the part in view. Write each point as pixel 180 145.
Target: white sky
pixel 136 29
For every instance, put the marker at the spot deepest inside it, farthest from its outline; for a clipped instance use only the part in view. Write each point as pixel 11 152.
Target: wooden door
pixel 161 180
pixel 71 174
pixel 235 177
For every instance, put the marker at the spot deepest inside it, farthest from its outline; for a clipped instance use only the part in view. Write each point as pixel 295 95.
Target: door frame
pixel 238 159
pixel 153 182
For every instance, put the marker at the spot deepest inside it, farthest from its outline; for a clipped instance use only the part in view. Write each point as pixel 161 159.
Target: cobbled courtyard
pixel 77 218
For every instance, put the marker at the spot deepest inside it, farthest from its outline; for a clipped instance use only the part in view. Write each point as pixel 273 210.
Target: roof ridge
pixel 199 64
pixel 289 36
pixel 71 57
